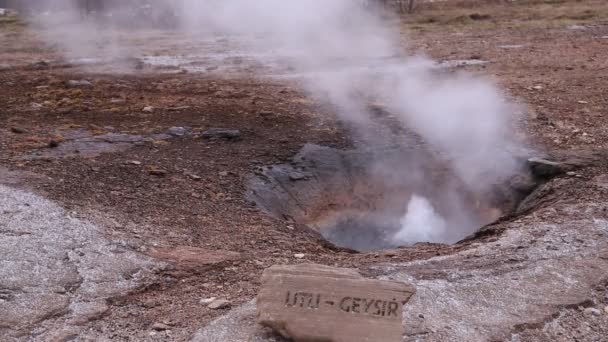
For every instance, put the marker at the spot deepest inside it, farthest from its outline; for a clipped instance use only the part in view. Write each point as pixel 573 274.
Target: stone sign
pixel 320 303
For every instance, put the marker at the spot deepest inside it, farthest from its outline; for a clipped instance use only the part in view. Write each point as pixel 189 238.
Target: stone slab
pixel 319 303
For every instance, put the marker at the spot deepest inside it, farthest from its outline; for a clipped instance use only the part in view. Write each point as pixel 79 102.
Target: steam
pixel 350 56
pixel 421 223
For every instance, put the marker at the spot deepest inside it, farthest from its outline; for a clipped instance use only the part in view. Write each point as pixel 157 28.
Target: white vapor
pixel 421 223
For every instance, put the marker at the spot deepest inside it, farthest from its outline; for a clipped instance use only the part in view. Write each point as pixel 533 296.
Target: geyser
pixel 464 119
pixel 350 200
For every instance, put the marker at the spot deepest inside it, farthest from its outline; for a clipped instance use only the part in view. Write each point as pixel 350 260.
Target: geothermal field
pixel 304 170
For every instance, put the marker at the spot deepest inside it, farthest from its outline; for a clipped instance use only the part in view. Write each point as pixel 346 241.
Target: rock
pixel 545 168
pixel 194 177
pixel 117 100
pixel 319 303
pixel 78 84
pixel 18 130
pixel 223 173
pixel 577 27
pixel 3 12
pixel 606 309
pixel 148 109
pixel 160 326
pixel 219 304
pixel 177 131
pixel 299 256
pixel 157 172
pixel 222 133
pixel 41 65
pixel 53 144
pixel 515 46
pixel 134 162
pixel 185 259
pixel 592 312
pixel 207 301
pixel 296 176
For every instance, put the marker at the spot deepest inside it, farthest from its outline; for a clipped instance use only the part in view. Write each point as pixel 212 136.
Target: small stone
pixel 160 326
pixel 194 177
pixel 537 87
pixel 177 131
pixel 299 256
pixel 592 311
pixel 53 144
pixel 207 301
pixel 606 309
pixel 582 102
pixel 157 172
pixel 148 109
pixel 78 83
pixel 219 304
pixel 117 100
pixel 18 130
pixel 134 162
pixel 571 173
pixel 296 176
pixel 223 173
pixel 221 133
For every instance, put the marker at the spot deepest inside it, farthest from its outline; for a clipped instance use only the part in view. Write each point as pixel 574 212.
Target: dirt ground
pixel 164 194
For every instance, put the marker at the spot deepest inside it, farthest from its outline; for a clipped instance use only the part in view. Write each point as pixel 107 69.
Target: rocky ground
pixel 122 212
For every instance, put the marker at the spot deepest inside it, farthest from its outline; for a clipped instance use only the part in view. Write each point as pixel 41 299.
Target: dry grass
pixel 526 14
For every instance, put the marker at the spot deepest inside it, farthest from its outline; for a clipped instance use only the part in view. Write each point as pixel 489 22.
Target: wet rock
pixel 592 312
pixel 320 303
pixel 545 168
pixel 219 304
pixel 78 84
pixel 177 131
pixel 222 133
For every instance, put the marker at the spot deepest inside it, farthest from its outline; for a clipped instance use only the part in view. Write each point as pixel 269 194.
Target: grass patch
pixel 11 23
pixel 524 14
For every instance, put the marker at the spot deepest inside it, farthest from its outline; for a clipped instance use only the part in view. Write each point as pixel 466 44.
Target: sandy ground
pixel 158 195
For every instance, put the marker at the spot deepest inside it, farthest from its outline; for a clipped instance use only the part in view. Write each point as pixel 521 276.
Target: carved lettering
pixel 354 305
pixel 345 304
pixel 392 308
